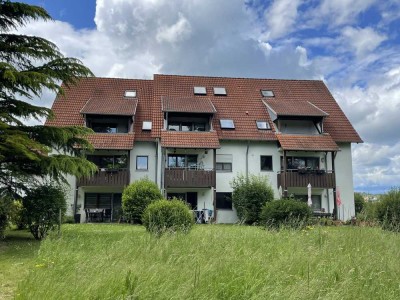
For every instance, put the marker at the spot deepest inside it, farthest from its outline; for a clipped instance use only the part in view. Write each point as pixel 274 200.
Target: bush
pixel 168 216
pixel 136 197
pixel 42 209
pixel 68 220
pixel 285 212
pixel 388 210
pixel 358 202
pixel 17 214
pixel 249 195
pixel 368 213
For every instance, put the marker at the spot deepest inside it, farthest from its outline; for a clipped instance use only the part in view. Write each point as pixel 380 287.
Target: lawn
pixel 17 253
pixel 215 262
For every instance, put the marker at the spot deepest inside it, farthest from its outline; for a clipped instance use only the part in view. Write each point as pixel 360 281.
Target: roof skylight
pixel 267 93
pixel 130 93
pixel 263 125
pixel 200 90
pixel 147 125
pixel 219 91
pixel 227 124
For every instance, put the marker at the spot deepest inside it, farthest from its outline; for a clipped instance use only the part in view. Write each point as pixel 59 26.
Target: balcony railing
pixel 317 179
pixel 106 177
pixel 182 178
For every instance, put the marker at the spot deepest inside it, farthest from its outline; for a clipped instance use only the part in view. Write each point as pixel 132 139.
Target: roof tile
pixel 198 139
pixel 294 142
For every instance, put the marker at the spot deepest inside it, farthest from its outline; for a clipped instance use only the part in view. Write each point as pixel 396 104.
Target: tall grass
pixel 215 262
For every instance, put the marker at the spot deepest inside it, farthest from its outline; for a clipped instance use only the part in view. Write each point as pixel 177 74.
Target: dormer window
pixel 267 93
pixel 146 125
pixel 219 91
pixel 130 94
pixel 200 90
pixel 227 124
pixel 264 125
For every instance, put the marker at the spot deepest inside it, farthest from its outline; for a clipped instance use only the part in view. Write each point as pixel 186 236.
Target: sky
pixel 352 45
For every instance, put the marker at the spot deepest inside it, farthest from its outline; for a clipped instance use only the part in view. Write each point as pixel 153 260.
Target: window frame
pixel 147 162
pixel 259 122
pixel 185 159
pixel 223 167
pixel 261 163
pixel 226 205
pixel 226 126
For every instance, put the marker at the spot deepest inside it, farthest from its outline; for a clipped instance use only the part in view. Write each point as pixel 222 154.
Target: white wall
pixel 143 149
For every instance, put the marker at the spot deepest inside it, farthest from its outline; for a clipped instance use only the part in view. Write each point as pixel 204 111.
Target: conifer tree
pixel 28 65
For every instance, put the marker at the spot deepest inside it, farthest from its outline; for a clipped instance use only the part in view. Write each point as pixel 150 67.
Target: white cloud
pixel 362 40
pixel 281 17
pixel 176 32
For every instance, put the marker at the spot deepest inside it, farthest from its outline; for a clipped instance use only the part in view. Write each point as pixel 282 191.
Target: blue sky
pixel 353 45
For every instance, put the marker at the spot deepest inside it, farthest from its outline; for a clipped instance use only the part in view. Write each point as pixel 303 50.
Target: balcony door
pixel 189 197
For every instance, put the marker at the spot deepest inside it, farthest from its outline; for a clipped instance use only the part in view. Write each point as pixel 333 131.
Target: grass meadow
pixel 102 261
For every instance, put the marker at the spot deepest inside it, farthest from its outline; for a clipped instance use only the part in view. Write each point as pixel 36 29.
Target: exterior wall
pixel 143 149
pixel 238 150
pixel 344 181
pixel 298 127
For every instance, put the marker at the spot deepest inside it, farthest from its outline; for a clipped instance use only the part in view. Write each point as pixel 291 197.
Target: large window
pixel 106 201
pixel 105 128
pixel 301 162
pixel 316 201
pixel 142 162
pixel 224 201
pixel 182 161
pixel 266 163
pixel 186 126
pixel 190 198
pixel 109 161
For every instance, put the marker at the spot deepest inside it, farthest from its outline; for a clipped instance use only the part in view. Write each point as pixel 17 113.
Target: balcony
pixel 106 177
pixel 317 179
pixel 185 178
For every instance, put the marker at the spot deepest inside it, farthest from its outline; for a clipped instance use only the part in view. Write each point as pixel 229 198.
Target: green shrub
pixel 136 197
pixel 388 210
pixel 358 202
pixel 368 213
pixel 285 212
pixel 168 216
pixel 249 195
pixel 68 220
pixel 42 208
pixel 17 214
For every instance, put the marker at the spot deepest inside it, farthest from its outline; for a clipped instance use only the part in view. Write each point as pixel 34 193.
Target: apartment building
pixel 192 135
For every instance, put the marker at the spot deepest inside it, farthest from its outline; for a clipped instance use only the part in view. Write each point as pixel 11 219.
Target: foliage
pixel 388 210
pixel 167 216
pixel 358 202
pixel 285 212
pixel 369 213
pixel 42 208
pixel 136 197
pixel 249 195
pixel 28 66
pixel 5 202
pixel 68 220
pixel 17 214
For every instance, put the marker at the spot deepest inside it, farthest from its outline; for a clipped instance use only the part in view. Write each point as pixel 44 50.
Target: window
pixel 316 201
pixel 190 198
pixel 130 93
pixel 223 167
pixel 220 91
pixel 267 93
pixel 186 126
pixel 224 201
pixel 109 161
pixel 95 200
pixel 227 124
pixel 142 162
pixel 266 163
pixel 182 161
pixel 146 125
pixel 263 125
pixel 295 163
pixel 104 128
pixel 200 90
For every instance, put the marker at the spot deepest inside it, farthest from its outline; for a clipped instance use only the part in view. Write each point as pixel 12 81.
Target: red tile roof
pixel 294 108
pixel 117 141
pixel 294 142
pixel 243 103
pixel 199 139
pixel 104 102
pixel 194 105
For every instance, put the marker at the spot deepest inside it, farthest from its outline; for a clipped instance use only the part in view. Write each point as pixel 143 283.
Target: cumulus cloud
pixel 176 32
